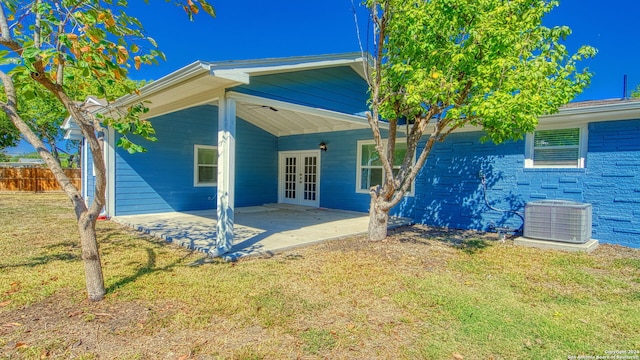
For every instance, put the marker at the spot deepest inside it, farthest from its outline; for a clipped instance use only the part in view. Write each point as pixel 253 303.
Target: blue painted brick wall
pixel 449 192
pixel 612 183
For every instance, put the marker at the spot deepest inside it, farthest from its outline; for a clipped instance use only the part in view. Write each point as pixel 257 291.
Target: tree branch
pixel 11 109
pixel 5 34
pixel 37 29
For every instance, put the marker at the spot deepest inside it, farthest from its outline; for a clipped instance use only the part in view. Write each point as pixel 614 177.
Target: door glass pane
pixel 310 177
pixel 290 178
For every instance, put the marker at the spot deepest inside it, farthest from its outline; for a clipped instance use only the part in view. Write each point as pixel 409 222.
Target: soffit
pixel 284 122
pixel 196 91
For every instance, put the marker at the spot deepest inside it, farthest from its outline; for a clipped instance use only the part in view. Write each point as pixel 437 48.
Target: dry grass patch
pixel 424 293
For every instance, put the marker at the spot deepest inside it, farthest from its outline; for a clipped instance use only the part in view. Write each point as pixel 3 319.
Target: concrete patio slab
pixel 259 230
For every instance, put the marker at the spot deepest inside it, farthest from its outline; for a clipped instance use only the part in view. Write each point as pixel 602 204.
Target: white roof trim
pixel 176 77
pixel 623 110
pixel 273 69
pixel 233 75
pixel 288 63
pixel 250 99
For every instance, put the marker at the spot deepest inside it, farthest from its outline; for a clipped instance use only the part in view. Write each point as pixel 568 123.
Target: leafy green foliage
pixel 9 134
pixel 58 49
pixel 4 157
pixel 636 92
pixel 488 63
pixel 440 65
pixel 86 48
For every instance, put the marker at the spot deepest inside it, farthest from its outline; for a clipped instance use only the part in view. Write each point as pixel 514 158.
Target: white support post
pixel 226 175
pixel 110 166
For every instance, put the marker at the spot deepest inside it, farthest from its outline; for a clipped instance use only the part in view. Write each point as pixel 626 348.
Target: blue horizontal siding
pixel 339 168
pixel 257 166
pixel 161 179
pixel 339 89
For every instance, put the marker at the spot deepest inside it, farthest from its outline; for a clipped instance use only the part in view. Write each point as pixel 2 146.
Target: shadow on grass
pixel 151 268
pixel 467 241
pixel 43 260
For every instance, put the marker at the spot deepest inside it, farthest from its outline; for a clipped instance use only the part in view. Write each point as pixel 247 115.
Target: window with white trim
pixel 205 165
pixel 369 169
pixel 557 148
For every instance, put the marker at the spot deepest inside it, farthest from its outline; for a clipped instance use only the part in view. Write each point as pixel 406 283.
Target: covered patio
pixel 258 230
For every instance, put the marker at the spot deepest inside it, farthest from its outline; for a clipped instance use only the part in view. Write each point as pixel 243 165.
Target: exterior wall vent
pixel 558 220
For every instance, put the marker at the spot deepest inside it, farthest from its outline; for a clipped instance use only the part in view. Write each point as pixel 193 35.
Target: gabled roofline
pixel 239 71
pixel 279 65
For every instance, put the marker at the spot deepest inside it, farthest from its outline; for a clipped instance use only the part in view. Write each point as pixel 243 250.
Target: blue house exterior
pixel 242 133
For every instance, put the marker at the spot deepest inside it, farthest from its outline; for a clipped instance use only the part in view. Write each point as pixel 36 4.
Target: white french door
pixel 299 178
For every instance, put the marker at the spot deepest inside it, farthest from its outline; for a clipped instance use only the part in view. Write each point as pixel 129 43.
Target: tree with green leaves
pixel 439 65
pixel 61 48
pixel 9 134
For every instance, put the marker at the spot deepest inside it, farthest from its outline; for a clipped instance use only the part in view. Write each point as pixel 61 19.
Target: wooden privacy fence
pixel 35 179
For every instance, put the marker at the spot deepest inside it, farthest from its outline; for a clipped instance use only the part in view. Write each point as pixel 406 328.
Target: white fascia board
pixel 176 77
pixel 581 115
pixel 265 70
pixel 73 135
pixel 231 74
pixel 271 66
pixel 256 100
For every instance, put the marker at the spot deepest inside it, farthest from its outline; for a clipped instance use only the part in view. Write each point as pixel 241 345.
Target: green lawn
pixel 422 294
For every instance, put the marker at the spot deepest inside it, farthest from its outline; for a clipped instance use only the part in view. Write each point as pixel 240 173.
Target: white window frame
pixel 196 165
pixel 359 166
pixel 582 148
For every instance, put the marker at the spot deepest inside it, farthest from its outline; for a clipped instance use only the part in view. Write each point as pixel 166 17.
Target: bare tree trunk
pixel 378 217
pixel 91 257
pixel 86 217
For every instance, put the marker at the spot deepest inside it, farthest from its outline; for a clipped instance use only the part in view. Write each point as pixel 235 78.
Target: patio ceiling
pixel 282 122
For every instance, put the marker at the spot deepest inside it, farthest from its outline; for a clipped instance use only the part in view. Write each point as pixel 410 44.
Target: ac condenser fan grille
pixel 558 220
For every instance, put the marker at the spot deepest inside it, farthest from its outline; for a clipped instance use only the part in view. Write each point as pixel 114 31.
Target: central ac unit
pixel 558 220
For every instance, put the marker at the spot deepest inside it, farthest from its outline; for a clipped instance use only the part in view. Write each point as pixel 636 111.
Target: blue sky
pixel 254 29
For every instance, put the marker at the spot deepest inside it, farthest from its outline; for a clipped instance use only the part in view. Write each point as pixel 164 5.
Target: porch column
pixel 226 175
